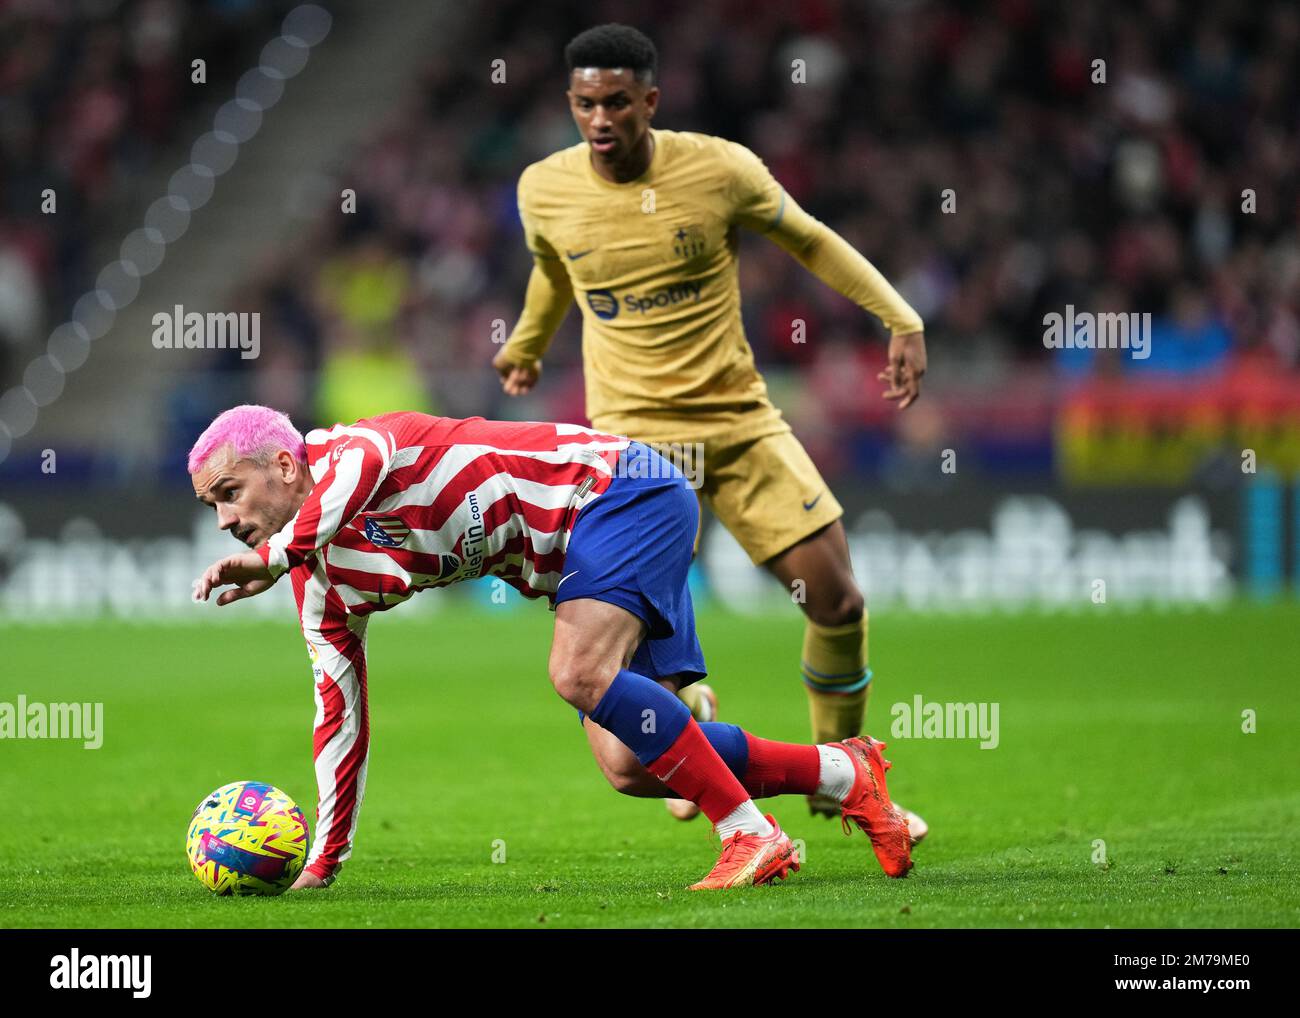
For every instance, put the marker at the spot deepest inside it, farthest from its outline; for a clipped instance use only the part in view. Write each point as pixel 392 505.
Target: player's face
pixel 612 110
pixel 252 502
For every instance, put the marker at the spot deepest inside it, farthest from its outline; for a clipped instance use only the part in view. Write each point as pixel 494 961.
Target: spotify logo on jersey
pixel 603 303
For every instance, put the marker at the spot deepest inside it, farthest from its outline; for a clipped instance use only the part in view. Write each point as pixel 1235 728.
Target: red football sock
pixel 692 768
pixel 777 768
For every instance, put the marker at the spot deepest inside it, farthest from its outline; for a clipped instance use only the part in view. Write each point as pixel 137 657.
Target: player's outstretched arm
pixel 833 260
pixel 546 302
pixel 763 206
pixel 341 736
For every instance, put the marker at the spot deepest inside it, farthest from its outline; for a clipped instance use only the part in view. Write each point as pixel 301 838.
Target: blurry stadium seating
pixel 1125 196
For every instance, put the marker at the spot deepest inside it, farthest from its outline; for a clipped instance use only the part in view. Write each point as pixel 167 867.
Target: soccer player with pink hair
pixel 363 516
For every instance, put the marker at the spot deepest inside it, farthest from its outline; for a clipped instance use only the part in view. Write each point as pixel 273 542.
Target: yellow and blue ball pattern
pixel 247 837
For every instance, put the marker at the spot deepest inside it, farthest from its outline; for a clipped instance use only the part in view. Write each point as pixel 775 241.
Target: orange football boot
pixel 868 806
pixel 829 806
pixel 749 860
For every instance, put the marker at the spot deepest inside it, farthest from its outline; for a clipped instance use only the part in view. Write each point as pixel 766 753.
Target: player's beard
pixel 280 509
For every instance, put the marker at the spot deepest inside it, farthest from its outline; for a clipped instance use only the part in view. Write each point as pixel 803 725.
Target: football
pixel 247 837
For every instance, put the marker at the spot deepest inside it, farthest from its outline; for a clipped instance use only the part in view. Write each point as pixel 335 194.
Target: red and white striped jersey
pixel 404 502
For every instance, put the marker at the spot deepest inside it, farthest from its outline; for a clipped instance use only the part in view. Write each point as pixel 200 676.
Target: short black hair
pixel 608 46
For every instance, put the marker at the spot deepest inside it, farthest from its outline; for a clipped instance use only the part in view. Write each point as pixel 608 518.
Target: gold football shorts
pixel 767 491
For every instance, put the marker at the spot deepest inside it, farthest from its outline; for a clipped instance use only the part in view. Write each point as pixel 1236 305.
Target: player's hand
pixel 307 880
pixel 246 571
pixel 905 369
pixel 516 379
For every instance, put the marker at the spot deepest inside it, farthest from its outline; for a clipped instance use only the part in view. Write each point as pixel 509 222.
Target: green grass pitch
pixel 1119 727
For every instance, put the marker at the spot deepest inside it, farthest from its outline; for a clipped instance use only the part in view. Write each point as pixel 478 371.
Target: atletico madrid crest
pixel 386 531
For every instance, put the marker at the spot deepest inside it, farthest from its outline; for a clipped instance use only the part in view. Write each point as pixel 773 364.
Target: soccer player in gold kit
pixel 638 226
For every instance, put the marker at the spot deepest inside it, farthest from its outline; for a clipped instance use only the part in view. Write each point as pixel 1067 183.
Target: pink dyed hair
pixel 255 432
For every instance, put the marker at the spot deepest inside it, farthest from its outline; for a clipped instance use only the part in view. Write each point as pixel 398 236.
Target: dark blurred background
pixel 1170 188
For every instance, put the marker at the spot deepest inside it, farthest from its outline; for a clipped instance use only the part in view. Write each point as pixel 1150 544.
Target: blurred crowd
pixel 996 161
pixel 1115 187
pixel 91 93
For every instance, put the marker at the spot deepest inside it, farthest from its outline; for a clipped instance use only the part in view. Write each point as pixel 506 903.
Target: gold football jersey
pixel 652 264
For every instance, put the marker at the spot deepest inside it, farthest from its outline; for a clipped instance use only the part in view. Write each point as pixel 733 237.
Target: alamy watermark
pixel 1084 330
pixel 77 971
pixel 217 330
pixel 685 457
pixel 934 720
pixel 23 720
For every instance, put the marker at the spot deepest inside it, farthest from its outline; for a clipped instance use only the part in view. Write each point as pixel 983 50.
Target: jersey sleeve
pixel 761 204
pixel 336 645
pixel 758 201
pixel 533 237
pixel 549 292
pixel 546 302
pixel 355 464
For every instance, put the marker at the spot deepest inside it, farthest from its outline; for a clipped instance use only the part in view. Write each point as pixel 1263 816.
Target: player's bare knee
pixel 840 608
pixel 852 606
pixel 569 685
pixel 579 684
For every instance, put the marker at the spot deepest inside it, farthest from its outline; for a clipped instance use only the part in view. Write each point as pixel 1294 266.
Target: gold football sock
pixel 837 678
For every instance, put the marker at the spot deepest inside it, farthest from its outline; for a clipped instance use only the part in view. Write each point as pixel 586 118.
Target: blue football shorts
pixel 632 547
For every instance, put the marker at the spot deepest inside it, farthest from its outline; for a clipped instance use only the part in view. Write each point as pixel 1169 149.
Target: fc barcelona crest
pixel 688 241
pixel 386 531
